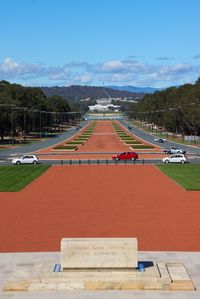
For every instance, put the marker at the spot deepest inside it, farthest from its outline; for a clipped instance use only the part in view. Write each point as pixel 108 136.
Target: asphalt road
pixel 165 145
pixel 25 149
pixel 96 162
pixel 6 155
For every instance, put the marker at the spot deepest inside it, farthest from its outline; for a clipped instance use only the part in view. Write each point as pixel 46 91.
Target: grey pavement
pixel 191 260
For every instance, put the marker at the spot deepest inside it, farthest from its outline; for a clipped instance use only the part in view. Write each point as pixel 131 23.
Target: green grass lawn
pixel 15 178
pixel 187 175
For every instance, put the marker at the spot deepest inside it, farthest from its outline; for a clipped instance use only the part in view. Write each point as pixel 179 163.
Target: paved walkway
pixel 191 260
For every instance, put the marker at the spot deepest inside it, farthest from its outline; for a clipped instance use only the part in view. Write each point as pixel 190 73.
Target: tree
pixel 17 106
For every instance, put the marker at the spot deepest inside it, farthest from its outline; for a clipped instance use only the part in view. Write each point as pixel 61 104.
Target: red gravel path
pixel 100 201
pixel 104 139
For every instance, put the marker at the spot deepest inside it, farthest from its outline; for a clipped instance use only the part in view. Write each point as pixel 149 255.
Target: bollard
pixel 107 161
pixel 141 267
pixel 125 161
pixel 57 268
pixel 115 161
pixel 79 162
pixel 98 161
pixel 61 162
pixel 70 162
pixel 88 161
pixel 143 161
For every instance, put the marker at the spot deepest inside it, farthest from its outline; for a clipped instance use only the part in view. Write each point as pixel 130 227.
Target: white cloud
pixel 181 68
pixel 58 73
pixel 83 79
pixel 126 72
pixel 10 69
pixel 121 66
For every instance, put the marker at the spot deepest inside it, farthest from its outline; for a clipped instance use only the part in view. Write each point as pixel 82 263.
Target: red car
pixel 126 156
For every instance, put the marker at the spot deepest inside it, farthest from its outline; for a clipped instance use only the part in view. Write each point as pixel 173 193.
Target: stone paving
pixel 191 260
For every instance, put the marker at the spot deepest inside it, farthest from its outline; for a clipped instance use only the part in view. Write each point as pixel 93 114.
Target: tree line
pixel 28 109
pixel 176 109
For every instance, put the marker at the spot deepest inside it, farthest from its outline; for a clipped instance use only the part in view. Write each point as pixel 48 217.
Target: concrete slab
pixel 101 253
pixel 8 261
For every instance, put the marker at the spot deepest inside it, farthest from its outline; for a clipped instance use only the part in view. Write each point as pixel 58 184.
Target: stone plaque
pixel 101 253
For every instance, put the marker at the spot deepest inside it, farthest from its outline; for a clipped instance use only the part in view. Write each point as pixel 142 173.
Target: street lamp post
pixel 12 106
pixel 24 108
pixel 34 123
pixel 12 121
pixel 41 111
pixel 40 124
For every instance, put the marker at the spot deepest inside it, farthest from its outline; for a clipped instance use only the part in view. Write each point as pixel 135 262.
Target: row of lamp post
pixel 25 109
pixel 179 108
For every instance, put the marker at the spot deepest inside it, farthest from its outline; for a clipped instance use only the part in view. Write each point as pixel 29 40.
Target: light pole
pixel 12 121
pixel 41 111
pixel 40 124
pixel 25 109
pixel 12 118
pixel 34 123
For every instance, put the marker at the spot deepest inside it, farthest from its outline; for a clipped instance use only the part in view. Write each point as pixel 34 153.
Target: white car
pixel 175 150
pixel 177 158
pixel 26 159
pixel 161 140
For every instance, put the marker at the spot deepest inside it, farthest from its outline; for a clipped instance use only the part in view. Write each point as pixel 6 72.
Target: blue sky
pixel 95 42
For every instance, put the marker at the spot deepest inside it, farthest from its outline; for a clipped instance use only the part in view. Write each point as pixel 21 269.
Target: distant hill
pixel 77 92
pixel 135 89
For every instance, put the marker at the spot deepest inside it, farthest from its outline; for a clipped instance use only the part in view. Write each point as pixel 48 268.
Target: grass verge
pixel 15 178
pixel 188 175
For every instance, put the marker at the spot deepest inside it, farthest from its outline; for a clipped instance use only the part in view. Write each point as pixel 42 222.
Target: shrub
pixel 88 132
pixel 142 146
pixel 79 139
pixel 132 142
pixel 127 138
pixel 65 147
pixel 123 135
pixel 75 142
pixel 85 134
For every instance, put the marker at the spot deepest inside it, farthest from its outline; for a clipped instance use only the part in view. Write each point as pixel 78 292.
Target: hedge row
pixel 142 146
pixel 78 140
pixel 65 147
pixel 126 138
pixel 132 142
pixel 74 142
pixel 129 140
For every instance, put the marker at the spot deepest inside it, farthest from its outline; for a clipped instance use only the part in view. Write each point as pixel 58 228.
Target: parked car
pixel 126 156
pixel 176 158
pixel 161 140
pixel 175 150
pixel 26 159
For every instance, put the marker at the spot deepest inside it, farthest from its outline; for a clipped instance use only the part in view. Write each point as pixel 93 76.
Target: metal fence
pixel 102 162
